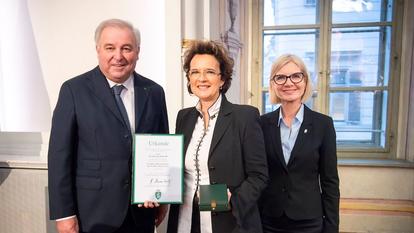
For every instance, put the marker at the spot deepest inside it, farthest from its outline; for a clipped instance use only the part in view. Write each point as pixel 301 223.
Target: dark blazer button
pixel 284 190
pixel 126 136
pixel 211 168
pixel 213 182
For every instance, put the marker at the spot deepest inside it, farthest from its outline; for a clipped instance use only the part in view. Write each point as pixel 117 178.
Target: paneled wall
pixel 23 198
pixel 374 200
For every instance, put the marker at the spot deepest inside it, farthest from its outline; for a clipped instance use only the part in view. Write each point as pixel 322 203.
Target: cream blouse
pixel 196 169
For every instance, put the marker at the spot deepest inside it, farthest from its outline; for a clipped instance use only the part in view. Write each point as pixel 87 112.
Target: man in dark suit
pixel 90 146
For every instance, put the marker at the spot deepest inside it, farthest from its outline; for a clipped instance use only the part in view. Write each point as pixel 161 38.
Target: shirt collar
pixel 213 110
pixel 128 84
pixel 298 117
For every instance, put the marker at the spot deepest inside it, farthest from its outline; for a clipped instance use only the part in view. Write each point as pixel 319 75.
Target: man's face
pixel 117 53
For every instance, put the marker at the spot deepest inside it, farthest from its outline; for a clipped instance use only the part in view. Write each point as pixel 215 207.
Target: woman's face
pixel 289 91
pixel 205 78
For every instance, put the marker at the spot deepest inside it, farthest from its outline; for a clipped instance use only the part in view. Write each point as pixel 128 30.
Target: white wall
pixel 64 34
pixel 64 37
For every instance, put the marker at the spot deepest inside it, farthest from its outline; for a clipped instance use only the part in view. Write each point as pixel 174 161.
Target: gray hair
pixel 119 23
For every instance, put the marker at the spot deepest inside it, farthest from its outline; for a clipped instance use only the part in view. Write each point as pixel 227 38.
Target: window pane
pixel 357 11
pixel 302 43
pixel 356 75
pixel 359 117
pixel 293 12
pixel 360 56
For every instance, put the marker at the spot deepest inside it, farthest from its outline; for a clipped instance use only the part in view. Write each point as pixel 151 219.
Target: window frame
pixel 321 103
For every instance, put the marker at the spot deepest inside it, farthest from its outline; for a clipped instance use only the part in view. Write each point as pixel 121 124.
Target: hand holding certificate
pixel 157 168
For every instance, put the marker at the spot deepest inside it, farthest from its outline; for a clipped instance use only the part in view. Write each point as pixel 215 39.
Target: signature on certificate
pixel 161 180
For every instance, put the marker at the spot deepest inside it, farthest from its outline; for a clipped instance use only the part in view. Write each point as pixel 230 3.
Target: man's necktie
pixel 117 89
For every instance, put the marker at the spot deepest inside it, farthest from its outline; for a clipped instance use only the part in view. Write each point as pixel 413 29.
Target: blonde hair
pixel 278 64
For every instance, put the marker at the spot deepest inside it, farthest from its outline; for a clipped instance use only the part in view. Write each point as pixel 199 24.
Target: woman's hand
pixel 149 204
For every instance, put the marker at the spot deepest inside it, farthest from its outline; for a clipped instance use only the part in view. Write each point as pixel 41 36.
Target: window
pixel 347 46
pixel 310 3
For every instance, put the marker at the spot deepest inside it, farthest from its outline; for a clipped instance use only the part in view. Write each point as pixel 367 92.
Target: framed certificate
pixel 157 168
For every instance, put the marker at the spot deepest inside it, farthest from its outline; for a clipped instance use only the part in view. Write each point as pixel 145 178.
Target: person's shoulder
pixel 243 108
pixel 244 112
pixel 145 82
pixel 268 115
pixel 185 111
pixel 82 78
pixel 317 116
pixel 269 118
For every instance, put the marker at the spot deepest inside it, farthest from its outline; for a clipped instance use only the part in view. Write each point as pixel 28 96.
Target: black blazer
pixel 90 151
pixel 237 158
pixel 308 186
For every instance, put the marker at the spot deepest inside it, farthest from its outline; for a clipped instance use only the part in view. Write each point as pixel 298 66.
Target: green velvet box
pixel 214 198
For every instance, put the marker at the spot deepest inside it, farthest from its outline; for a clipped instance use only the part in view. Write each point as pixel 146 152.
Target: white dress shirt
pixel 128 98
pixel 197 152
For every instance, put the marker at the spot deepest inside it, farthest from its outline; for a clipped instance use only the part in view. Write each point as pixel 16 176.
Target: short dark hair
pixel 215 49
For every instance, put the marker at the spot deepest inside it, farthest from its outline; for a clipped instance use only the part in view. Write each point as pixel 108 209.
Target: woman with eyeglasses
pixel 223 145
pixel 303 191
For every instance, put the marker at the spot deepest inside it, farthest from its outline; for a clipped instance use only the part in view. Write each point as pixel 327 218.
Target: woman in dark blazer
pixel 303 191
pixel 224 145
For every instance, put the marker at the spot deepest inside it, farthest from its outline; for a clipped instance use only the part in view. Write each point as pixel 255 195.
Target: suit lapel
pixel 140 99
pixel 223 122
pixel 275 134
pixel 100 87
pixel 303 134
pixel 188 125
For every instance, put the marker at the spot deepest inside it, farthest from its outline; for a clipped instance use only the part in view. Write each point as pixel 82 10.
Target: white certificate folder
pixel 157 168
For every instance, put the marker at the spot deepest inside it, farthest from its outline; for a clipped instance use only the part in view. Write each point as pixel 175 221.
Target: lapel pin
pixel 305 131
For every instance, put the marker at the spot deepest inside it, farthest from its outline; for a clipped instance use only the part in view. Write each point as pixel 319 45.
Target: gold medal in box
pixel 214 198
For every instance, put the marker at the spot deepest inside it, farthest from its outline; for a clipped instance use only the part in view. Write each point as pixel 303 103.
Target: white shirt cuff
pixel 61 219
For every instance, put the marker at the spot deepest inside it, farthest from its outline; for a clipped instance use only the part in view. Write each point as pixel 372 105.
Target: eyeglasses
pixel 281 79
pixel 205 73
